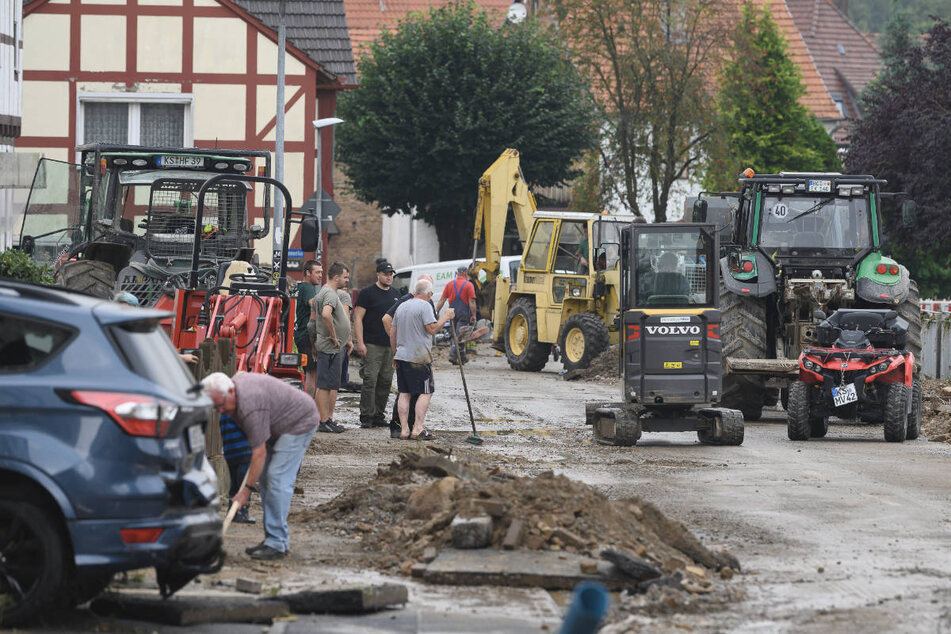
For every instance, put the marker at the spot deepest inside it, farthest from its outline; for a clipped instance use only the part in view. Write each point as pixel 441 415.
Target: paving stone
pixel 514 535
pixel 519 568
pixel 346 599
pixel 567 537
pixel 471 532
pixel 192 610
pixel 250 586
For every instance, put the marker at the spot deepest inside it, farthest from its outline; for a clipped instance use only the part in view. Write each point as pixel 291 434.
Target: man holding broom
pixel 279 421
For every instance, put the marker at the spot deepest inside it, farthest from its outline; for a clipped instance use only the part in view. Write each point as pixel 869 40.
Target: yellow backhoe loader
pixel 565 291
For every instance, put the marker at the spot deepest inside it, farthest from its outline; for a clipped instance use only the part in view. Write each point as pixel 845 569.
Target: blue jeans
pixel 277 486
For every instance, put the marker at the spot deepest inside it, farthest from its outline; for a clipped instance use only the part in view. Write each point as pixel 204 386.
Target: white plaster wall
pixel 102 45
pixel 46 42
pixel 220 45
pixel 45 108
pixel 160 3
pixel 219 111
pixel 407 242
pixel 267 59
pixel 159 44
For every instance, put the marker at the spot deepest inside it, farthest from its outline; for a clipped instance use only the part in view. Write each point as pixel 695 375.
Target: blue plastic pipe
pixel 588 607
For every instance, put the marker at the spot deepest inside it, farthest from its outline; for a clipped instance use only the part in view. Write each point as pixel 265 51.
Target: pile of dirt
pixel 936 410
pixel 604 366
pixel 407 508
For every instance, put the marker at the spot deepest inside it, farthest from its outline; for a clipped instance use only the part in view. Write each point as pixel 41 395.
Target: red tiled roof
pixel 845 58
pixel 368 18
pixel 817 97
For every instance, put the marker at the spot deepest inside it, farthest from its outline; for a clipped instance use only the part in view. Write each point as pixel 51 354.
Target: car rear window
pixel 26 344
pixel 150 354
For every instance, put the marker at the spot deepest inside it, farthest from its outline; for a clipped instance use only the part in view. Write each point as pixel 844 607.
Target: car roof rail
pixel 29 290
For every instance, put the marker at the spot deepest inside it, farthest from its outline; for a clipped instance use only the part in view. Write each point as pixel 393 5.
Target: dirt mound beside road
pixel 936 410
pixel 407 508
pixel 603 367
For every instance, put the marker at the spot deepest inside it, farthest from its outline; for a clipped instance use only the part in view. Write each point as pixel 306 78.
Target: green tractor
pixel 795 243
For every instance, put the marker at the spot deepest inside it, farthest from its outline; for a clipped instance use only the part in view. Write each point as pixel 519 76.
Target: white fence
pixel 936 339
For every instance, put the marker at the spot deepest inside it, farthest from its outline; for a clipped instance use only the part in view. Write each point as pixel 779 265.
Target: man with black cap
pixel 372 342
pixel 460 293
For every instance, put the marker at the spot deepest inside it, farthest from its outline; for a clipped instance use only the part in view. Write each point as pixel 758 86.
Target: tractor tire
pixel 784 398
pixel 910 310
pixel 34 558
pixel 522 349
pixel 770 397
pixel 743 336
pixel 895 416
pixel 797 414
pixel 88 276
pixel 731 429
pixel 914 417
pixel 583 338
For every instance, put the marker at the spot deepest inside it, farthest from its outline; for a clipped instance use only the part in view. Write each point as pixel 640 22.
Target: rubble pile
pixel 936 410
pixel 404 516
pixel 604 366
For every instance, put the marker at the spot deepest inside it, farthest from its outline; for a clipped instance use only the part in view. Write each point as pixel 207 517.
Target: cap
pixel 127 298
pixel 462 269
pixel 385 267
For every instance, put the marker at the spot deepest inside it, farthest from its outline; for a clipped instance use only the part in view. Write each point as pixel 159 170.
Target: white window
pixel 158 120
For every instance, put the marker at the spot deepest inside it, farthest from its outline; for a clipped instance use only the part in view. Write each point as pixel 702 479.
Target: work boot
pixel 266 553
pixel 253 549
pixel 379 421
pixel 366 422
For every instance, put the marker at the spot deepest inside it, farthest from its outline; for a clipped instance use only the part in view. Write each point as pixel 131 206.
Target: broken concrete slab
pixel 250 586
pixel 192 610
pixel 471 532
pixel 514 535
pixel 346 599
pixel 518 568
pixel 631 565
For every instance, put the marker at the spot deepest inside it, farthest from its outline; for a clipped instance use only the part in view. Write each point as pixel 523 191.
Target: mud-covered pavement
pixel 842 534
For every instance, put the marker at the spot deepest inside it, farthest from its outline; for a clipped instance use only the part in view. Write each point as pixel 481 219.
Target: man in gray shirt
pixel 279 421
pixel 412 337
pixel 331 344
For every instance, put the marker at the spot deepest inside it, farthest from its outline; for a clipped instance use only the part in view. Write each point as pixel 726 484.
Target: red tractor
pixel 245 304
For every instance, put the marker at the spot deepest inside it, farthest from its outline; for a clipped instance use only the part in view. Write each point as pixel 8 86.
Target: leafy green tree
pixel 17 265
pixel 761 122
pixel 439 100
pixel 903 138
pixel 647 62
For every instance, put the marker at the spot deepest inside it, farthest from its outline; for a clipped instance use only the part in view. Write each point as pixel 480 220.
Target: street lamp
pixel 318 124
pixel 517 12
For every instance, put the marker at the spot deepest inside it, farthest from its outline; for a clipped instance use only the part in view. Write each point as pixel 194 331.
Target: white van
pixel 444 272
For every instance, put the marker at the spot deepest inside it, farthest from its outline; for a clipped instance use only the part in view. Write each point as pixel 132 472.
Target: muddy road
pixel 842 534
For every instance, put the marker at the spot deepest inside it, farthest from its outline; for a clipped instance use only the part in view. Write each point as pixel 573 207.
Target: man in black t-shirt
pixel 372 342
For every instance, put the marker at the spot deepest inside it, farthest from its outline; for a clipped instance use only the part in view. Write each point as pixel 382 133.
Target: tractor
pixel 793 244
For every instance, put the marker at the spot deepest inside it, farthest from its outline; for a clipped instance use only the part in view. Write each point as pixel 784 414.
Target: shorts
pixel 304 346
pixel 329 367
pixel 414 378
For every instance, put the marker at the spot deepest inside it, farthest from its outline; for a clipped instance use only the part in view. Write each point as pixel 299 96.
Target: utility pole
pixel 278 233
pixel 318 125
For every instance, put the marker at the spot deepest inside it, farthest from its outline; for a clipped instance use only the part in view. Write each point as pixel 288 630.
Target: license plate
pixel 820 186
pixel 181 161
pixel 844 395
pixel 196 438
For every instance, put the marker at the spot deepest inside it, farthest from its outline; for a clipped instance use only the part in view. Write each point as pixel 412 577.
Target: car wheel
pixel 32 561
pixel 895 415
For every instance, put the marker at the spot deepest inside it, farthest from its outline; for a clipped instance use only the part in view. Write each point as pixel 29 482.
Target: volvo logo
pixel 673 330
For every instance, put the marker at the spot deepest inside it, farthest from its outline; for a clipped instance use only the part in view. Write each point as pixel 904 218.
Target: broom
pixel 474 438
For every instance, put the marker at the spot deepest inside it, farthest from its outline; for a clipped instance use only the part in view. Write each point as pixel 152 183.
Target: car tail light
pixel 747 265
pixel 633 332
pixel 893 269
pixel 136 414
pixel 140 535
pixel 881 269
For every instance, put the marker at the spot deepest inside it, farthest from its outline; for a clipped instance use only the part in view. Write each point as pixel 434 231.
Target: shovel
pixel 474 438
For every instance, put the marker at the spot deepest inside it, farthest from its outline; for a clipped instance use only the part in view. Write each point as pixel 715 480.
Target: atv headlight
pixel 809 365
pixel 881 367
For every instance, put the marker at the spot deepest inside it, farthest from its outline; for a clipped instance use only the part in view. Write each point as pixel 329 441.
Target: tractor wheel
pixel 914 417
pixel 731 428
pixel 910 310
pixel 89 276
pixel 522 348
pixel 33 559
pixel 797 414
pixel 743 336
pixel 583 338
pixel 784 398
pixel 895 416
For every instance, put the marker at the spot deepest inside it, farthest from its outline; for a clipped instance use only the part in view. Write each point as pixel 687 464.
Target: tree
pixel 904 139
pixel 441 98
pixel 648 62
pixel 17 265
pixel 761 123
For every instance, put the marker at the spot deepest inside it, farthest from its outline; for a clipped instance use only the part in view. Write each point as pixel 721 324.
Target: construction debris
pixel 422 502
pixel 936 410
pixel 189 610
pixel 346 599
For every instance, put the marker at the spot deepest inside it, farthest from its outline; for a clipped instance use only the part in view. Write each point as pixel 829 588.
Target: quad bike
pixel 860 370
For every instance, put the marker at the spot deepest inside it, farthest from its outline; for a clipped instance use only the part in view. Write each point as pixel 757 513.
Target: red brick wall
pixel 360 239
